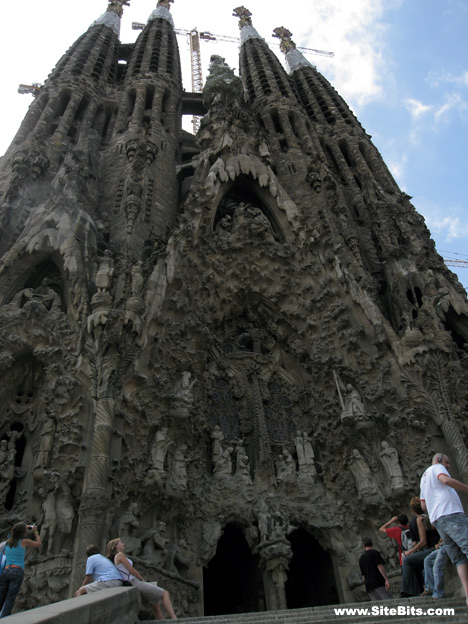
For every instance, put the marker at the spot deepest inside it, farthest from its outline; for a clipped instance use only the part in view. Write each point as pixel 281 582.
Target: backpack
pixel 406 541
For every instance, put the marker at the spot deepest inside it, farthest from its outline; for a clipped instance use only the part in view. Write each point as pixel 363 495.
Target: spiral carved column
pixel 95 502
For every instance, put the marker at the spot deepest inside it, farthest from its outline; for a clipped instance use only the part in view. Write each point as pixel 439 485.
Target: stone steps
pixel 328 615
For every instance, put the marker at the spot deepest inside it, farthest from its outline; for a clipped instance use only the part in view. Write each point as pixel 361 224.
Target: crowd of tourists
pixel 436 534
pixel 102 572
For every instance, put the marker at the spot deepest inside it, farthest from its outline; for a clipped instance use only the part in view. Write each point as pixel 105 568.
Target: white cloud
pixel 453 101
pixel 448 223
pixel 416 108
pixel 450 227
pixel 435 79
pixel 355 32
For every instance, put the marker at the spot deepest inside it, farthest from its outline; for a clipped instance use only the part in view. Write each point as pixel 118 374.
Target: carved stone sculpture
pixel 365 483
pixel 389 458
pixel 182 396
pixel 285 467
pixel 179 470
pixel 204 339
pixel 161 444
pixel 353 405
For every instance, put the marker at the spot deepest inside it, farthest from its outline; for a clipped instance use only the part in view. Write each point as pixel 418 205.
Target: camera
pixel 29 527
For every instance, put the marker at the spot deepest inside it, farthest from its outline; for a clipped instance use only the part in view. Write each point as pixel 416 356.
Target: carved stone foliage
pixel 433 393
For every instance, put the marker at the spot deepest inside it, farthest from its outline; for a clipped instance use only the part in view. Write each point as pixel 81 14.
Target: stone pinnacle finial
pixel 244 16
pixel 165 4
pixel 116 6
pixel 287 44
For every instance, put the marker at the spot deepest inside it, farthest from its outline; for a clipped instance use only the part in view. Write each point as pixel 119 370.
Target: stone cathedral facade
pixel 238 351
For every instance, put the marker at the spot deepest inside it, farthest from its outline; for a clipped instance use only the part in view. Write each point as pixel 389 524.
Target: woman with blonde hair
pixel 13 572
pixel 424 537
pixel 150 591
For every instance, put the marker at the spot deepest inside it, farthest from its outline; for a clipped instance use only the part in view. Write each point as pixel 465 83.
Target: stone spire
pixel 163 11
pixel 111 18
pixel 294 58
pixel 245 24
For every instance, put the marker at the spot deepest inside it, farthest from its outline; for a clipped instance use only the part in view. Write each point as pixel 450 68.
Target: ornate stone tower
pixel 237 351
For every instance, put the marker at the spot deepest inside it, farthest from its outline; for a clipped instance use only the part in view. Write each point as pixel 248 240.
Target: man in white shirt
pixel 99 568
pixel 440 500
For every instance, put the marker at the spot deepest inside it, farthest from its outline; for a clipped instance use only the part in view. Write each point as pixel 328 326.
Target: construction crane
pixel 461 261
pixel 207 36
pixel 32 88
pixel 195 55
pixel 456 263
pixel 197 75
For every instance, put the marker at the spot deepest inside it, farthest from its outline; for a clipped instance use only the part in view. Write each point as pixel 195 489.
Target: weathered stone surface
pixel 238 352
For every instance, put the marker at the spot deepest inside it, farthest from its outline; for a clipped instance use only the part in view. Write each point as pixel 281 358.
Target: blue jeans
pixel 10 583
pixel 411 572
pixel 434 566
pixel 453 529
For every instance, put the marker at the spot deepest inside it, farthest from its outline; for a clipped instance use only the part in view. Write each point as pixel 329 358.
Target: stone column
pixel 95 501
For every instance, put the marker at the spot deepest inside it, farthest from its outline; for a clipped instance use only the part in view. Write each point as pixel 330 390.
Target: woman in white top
pixel 153 594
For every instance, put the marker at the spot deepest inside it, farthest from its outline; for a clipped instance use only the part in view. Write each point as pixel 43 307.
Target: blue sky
pixel 402 66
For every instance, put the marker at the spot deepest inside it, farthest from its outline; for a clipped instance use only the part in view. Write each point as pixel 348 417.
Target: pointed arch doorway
pixel 232 581
pixel 311 578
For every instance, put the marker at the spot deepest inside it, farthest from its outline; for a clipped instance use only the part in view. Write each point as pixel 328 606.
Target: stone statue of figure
pixel 285 467
pixel 3 451
pixel 183 388
pixel 48 516
pixel 159 449
pixel 105 272
pixel 179 470
pixel 47 440
pixel 42 299
pixel 58 513
pixel 242 464
pixel 389 458
pixel 182 395
pixel 179 558
pixel 49 298
pixel 13 437
pixel 299 443
pixel 305 455
pixel 304 450
pixel 353 405
pixel 263 515
pixel 363 476
pixel 223 467
pixel 127 526
pixel 155 544
pixel 137 280
pixel 217 443
pixel 211 533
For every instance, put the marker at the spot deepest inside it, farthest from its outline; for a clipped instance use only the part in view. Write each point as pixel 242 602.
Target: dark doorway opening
pixel 311 580
pixel 232 581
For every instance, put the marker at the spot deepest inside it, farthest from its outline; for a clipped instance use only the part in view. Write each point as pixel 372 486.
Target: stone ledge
pixel 107 606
